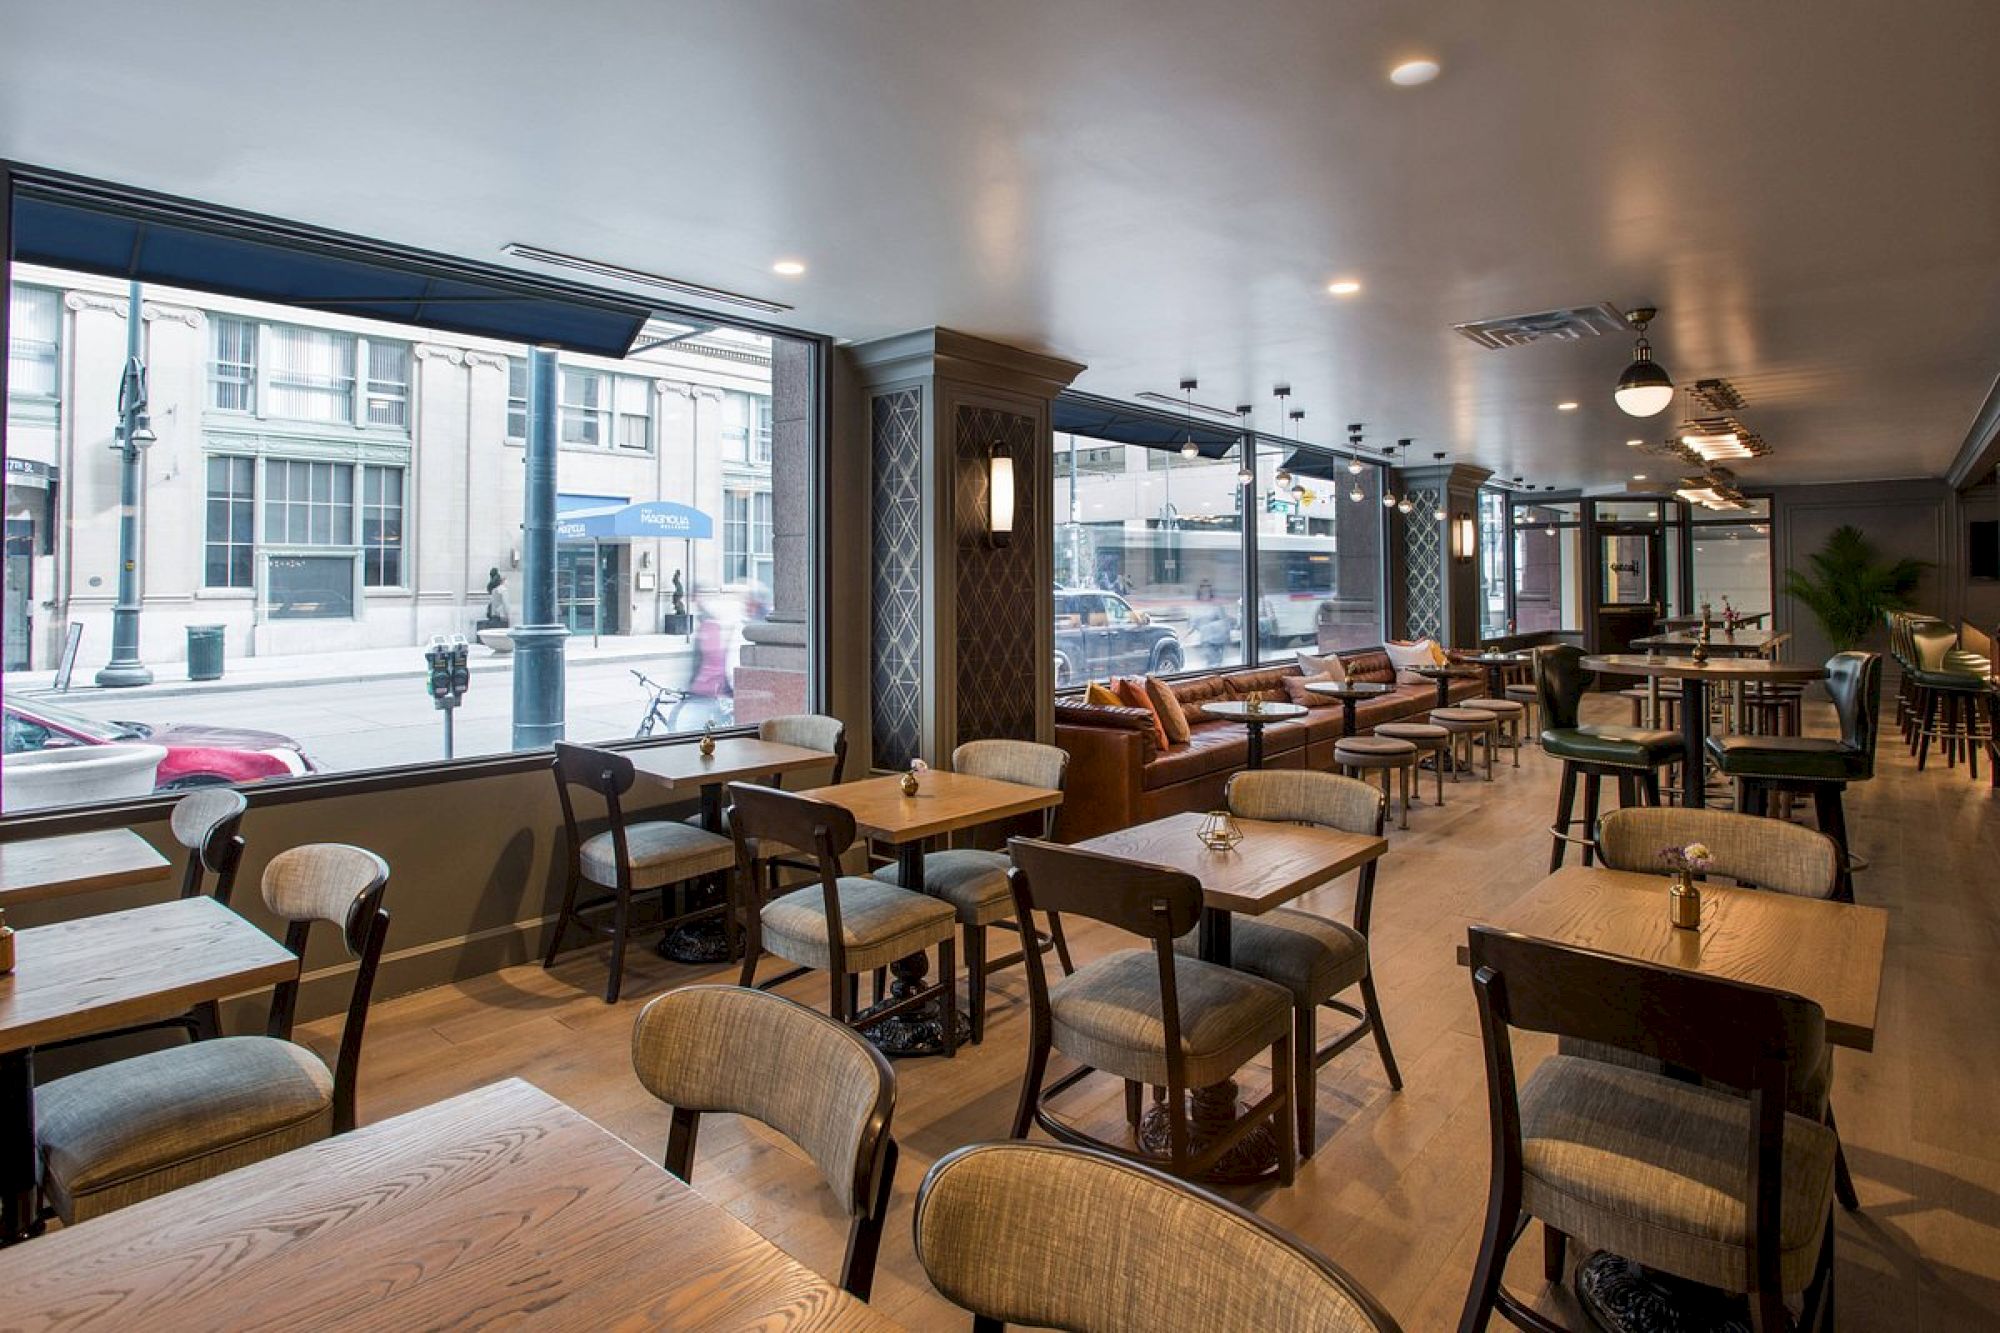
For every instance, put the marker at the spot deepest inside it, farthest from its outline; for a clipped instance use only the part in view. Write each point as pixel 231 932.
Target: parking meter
pixel 447 677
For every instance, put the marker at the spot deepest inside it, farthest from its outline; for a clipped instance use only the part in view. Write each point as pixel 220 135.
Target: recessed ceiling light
pixel 790 268
pixel 1411 73
pixel 1633 444
pixel 1344 287
pixel 1565 407
pixel 1638 476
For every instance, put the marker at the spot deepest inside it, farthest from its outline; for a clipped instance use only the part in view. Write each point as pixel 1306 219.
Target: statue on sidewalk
pixel 497 616
pixel 679 595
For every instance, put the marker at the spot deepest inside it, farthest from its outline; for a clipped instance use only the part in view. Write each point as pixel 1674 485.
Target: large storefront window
pixel 1493 620
pixel 293 496
pixel 1319 563
pixel 1548 568
pixel 1732 558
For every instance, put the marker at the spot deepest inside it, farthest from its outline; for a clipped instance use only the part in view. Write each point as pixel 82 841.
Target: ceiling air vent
pixel 1571 324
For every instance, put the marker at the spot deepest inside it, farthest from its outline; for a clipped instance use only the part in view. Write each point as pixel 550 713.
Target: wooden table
pixel 1274 864
pixel 40 868
pixel 1743 643
pixel 499 1208
pixel 1750 619
pixel 1496 665
pixel 1253 714
pixel 682 766
pixel 944 803
pixel 1695 678
pixel 103 972
pixel 1349 692
pixel 1829 952
pixel 1442 676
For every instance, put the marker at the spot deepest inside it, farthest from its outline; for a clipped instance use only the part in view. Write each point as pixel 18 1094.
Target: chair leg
pixel 853 980
pixel 1133 1091
pixel 1031 1085
pixel 975 979
pixel 1437 774
pixel 562 922
pixel 681 1134
pixel 1061 942
pixel 1402 786
pixel 864 1238
pixel 1374 1008
pixel 620 924
pixel 1305 1076
pixel 1592 786
pixel 1649 784
pixel 1285 1122
pixel 881 984
pixel 1843 1179
pixel 1829 810
pixel 948 978
pixel 1565 804
pixel 1554 1247
pixel 1503 1210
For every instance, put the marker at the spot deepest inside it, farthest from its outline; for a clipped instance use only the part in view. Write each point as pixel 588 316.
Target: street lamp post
pixel 135 433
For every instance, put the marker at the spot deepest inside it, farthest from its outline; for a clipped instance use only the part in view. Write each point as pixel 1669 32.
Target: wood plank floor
pixel 1396 1191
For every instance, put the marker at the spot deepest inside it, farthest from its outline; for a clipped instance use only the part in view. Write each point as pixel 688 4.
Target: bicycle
pixel 663 708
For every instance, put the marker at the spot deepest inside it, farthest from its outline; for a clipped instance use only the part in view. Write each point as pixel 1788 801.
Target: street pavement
pixel 378 714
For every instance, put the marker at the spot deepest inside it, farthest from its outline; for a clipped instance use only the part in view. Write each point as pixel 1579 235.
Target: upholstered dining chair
pixel 1771 854
pixel 1147 1015
pixel 1719 1187
pixel 1060 1237
pixel 1592 752
pixel 135 1128
pixel 841 924
pixel 819 1083
pixel 974 880
pixel 625 858
pixel 205 822
pixel 1311 956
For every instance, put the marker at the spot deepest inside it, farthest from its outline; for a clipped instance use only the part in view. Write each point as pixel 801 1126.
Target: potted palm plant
pixel 1850 585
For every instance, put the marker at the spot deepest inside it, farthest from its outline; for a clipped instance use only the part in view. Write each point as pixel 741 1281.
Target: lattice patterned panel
pixel 997 594
pixel 896 630
pixel 1423 551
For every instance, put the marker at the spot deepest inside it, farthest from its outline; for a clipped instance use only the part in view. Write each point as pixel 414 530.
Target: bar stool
pixel 1430 739
pixel 1362 755
pixel 1670 705
pixel 1467 726
pixel 1632 755
pixel 1523 693
pixel 1513 719
pixel 1815 765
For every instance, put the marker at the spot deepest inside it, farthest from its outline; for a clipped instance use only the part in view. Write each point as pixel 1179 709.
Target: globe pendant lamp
pixel 1645 389
pixel 1190 450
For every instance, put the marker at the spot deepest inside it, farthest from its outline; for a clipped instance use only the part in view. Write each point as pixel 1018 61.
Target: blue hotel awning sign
pixel 649 518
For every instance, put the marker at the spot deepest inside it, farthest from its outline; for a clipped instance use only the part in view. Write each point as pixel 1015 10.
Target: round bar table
pixel 1349 692
pixel 1695 678
pixel 1253 714
pixel 1442 675
pixel 1496 665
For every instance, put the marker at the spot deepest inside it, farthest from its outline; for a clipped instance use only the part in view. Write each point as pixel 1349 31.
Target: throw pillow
pixel 1329 666
pixel 1102 696
pixel 1438 654
pixel 1167 707
pixel 1295 686
pixel 1403 656
pixel 1132 693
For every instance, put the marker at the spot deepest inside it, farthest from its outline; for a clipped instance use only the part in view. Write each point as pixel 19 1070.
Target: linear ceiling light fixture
pixel 1645 389
pixel 556 258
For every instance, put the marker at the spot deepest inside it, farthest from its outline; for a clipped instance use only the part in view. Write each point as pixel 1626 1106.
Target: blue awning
pixel 649 518
pixel 186 246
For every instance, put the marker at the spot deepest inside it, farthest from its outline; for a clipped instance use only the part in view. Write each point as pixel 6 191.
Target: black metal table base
pixel 697 942
pixel 1623 1297
pixel 917 1032
pixel 1252 1160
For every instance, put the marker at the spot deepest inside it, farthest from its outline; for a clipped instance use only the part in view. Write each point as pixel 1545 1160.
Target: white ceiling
pixel 1810 192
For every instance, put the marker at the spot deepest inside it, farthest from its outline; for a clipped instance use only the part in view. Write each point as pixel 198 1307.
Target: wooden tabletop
pixel 39 868
pixel 1716 668
pixel 944 803
pixel 1260 710
pixel 100 972
pixel 499 1208
pixel 736 759
pixel 1349 689
pixel 1750 618
pixel 1829 952
pixel 1274 863
pixel 1753 642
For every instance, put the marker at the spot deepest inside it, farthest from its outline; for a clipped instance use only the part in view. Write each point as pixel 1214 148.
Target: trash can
pixel 204 652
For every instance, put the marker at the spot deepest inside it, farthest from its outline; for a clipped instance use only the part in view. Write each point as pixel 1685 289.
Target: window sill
pixel 225 594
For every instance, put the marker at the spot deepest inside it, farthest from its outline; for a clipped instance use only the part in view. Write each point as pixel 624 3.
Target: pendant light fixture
pixel 1245 444
pixel 1283 479
pixel 1645 389
pixel 1189 449
pixel 1439 512
pixel 1354 492
pixel 1405 504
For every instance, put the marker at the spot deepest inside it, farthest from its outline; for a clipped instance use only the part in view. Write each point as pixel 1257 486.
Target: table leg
pixel 1256 730
pixel 1694 738
pixel 1213 1109
pixel 703 941
pixel 1347 716
pixel 1495 687
pixel 918 1031
pixel 1623 1297
pixel 1444 691
pixel 20 1154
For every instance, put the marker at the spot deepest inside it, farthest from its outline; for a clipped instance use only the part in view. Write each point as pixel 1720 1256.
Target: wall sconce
pixel 1464 538
pixel 999 496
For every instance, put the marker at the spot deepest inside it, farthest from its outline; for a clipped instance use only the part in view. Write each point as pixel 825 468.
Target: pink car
pixel 197 756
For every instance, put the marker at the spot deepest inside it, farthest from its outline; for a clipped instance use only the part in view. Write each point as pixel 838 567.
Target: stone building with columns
pixel 320 483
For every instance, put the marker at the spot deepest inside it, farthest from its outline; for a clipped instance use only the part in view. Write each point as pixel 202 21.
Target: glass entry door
pixel 1630 584
pixel 585 574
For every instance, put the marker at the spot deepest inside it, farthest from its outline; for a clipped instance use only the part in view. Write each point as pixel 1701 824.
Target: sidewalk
pixel 667 653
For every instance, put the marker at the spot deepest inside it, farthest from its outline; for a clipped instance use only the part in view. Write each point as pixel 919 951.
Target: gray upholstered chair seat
pixel 879 923
pixel 1656 1170
pixel 1107 1015
pixel 127 1131
pixel 662 851
pixel 1308 955
pixel 972 880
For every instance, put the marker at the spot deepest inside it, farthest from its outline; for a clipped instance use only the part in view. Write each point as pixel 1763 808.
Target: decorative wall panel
pixel 1423 554
pixel 996 587
pixel 896 630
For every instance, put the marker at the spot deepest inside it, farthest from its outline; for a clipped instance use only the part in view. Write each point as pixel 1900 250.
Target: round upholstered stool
pixel 1670 706
pixel 1362 755
pixel 1429 739
pixel 1513 721
pixel 1524 695
pixel 1469 726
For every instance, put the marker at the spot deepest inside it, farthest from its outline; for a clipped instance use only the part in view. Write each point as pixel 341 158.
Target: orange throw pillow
pixel 1167 708
pixel 1132 693
pixel 1438 654
pixel 1102 696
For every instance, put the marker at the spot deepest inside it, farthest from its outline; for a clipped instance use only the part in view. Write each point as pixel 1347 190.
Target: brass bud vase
pixel 1684 902
pixel 909 784
pixel 707 745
